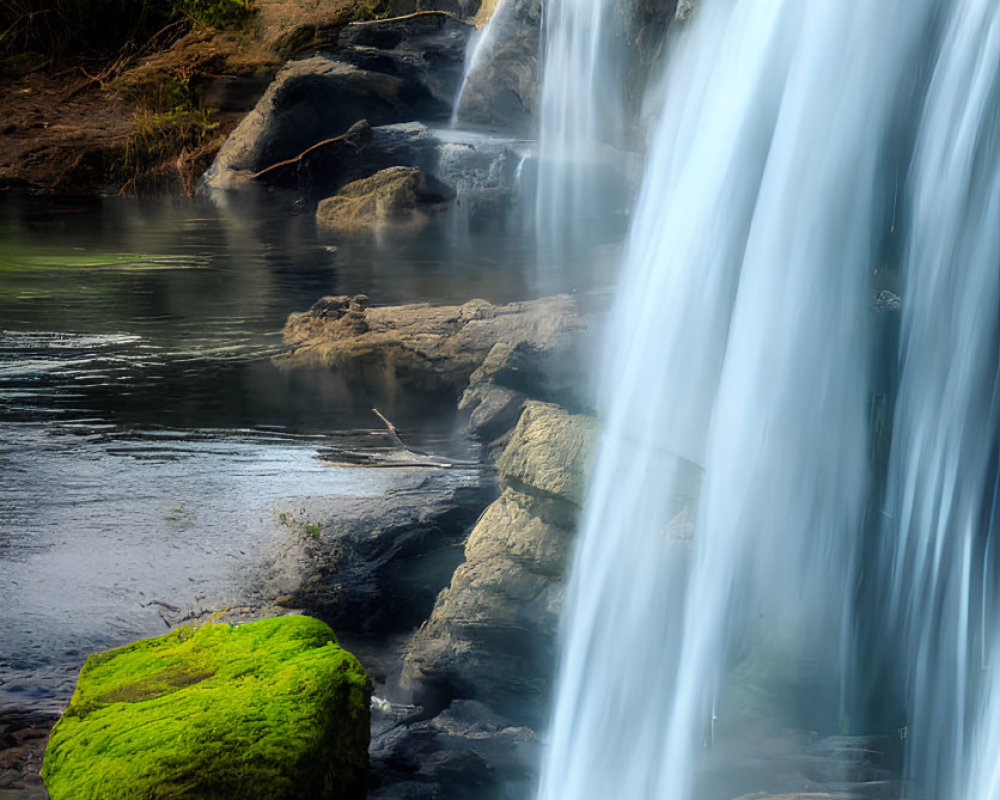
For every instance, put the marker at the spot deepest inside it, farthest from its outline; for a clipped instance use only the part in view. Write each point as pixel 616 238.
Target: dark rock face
pixel 501 90
pixel 385 71
pixel 23 734
pixel 374 565
pixel 467 751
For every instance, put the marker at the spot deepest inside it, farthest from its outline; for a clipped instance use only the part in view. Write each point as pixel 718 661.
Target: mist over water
pixel 790 524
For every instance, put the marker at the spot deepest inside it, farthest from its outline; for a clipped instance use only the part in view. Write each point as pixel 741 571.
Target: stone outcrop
pixel 400 197
pixel 385 71
pixel 467 751
pixel 502 87
pixel 374 565
pixel 270 710
pixel 423 348
pixel 491 634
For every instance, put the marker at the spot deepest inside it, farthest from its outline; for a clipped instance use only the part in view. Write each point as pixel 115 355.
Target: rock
pixel 466 751
pixel 400 197
pixel 502 87
pixel 272 709
pixel 549 452
pixel 491 634
pixel 23 734
pixel 512 373
pixel 419 348
pixel 483 172
pixel 386 71
pixel 426 48
pixel 375 567
pixel 363 150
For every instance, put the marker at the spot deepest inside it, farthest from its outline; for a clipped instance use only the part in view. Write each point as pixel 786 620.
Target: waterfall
pixel 801 151
pixel 481 43
pixel 582 115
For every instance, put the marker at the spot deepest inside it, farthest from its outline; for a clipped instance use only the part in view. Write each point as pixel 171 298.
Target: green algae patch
pixel 270 710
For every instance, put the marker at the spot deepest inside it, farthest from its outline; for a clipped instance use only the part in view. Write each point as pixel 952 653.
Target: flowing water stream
pixel 790 521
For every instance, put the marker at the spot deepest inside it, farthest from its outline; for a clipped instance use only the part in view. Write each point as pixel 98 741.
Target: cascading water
pixel 581 115
pixel 800 147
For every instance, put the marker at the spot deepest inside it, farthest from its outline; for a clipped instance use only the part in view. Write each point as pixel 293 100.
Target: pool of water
pixel 145 433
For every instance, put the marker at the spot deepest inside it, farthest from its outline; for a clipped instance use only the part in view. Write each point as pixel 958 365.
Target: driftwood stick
pixel 393 433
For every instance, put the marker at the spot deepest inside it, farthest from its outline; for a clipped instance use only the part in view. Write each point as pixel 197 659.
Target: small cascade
pixel 481 44
pixel 748 561
pixel 582 120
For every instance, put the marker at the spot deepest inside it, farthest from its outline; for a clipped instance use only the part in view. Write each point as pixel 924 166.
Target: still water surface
pixel 145 433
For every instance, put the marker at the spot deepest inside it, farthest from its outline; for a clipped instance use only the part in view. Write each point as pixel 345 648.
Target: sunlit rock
pixel 401 198
pixel 491 633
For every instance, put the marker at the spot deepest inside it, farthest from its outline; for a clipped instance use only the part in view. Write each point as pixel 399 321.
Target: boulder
pixel 385 71
pixel 421 347
pixel 374 566
pixel 554 371
pixel 548 452
pixel 363 150
pixel 466 751
pixel 491 635
pixel 400 197
pixel 269 710
pixel 502 86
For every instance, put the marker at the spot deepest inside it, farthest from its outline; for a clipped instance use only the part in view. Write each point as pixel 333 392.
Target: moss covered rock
pixel 270 710
pixel 400 196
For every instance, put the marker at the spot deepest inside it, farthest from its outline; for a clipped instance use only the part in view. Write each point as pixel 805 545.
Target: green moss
pixel 271 710
pixel 370 9
pixel 217 13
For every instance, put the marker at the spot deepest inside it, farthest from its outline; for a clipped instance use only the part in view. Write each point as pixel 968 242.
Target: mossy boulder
pixel 270 710
pixel 398 196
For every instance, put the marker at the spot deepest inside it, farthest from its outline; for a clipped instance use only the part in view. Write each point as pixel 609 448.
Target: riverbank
pixel 151 115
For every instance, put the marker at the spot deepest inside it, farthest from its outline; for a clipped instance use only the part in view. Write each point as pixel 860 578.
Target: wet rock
pixel 331 164
pixel 492 631
pixel 511 374
pixel 386 71
pixel 374 565
pixel 23 735
pixel 420 348
pixel 399 197
pixel 467 751
pixel 222 711
pixel 502 87
pixel 483 172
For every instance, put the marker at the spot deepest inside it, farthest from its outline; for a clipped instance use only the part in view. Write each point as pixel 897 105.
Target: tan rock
pixel 403 197
pixel 549 452
pixel 491 634
pixel 419 347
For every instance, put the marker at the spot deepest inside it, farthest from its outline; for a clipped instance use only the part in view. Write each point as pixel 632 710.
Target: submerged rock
pixel 491 633
pixel 466 751
pixel 270 710
pixel 400 197
pixel 421 347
